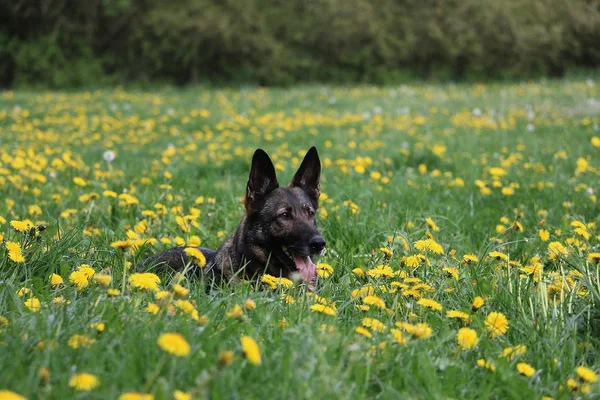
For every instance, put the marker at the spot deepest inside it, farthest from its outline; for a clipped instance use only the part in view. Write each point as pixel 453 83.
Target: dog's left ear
pixel 307 176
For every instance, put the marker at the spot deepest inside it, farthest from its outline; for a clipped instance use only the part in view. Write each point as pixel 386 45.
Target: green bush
pixel 283 42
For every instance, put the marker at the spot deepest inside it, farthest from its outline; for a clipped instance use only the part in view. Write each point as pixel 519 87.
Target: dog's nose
pixel 317 243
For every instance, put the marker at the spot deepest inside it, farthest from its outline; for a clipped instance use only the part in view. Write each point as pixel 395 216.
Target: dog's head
pixel 281 220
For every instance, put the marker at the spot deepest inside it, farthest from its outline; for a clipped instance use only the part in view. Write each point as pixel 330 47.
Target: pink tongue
pixel 305 267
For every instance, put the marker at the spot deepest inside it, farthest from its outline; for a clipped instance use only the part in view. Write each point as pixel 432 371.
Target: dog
pixel 278 235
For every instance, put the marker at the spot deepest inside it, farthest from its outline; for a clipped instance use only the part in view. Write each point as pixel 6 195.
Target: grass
pixel 482 170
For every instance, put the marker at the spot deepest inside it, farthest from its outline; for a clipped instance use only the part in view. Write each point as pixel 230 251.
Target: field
pixel 462 227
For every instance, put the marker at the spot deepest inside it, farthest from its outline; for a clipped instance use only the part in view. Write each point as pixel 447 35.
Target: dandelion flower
pixel 56 280
pixel 374 324
pixel 144 281
pixel 174 343
pixel 556 250
pixel 323 309
pixel 78 341
pixel 478 302
pixel 274 282
pixel 197 255
pixel 324 270
pixel 363 331
pixel 250 349
pixel 235 312
pixel 103 279
pixel 136 396
pixel 381 271
pixel 33 304
pixel 429 245
pixel 525 369
pixel 8 395
pixel 21 226
pixel 79 279
pixel 180 290
pixel 180 395
pixel 153 308
pixel 431 304
pixel 374 301
pixel 467 338
pixel 250 304
pixel 470 258
pixel 466 318
pixel 84 382
pixel 496 324
pixel 586 374
pixel 14 252
pixel 544 235
pixel 481 363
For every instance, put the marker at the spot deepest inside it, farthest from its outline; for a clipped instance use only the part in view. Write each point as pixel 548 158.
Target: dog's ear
pixel 308 175
pixel 262 180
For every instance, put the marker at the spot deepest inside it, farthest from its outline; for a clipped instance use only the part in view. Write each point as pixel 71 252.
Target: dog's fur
pixel 278 235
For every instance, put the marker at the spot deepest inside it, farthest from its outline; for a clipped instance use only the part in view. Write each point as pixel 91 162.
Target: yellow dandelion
pixel 556 250
pixel 463 316
pixel 498 255
pixel 496 324
pixel 8 395
pixel 250 304
pixel 22 226
pixel 84 382
pixel 593 258
pixel 79 279
pixel 358 271
pixel 544 235
pixel 144 281
pixel 174 343
pixel 323 309
pixel 430 303
pixel 180 395
pixel 374 301
pixel 196 255
pixel 136 396
pixel 274 282
pixel 374 324
pixel 14 252
pixel 79 341
pixel 429 245
pixel 470 259
pixel 33 304
pixel 153 308
pixel 432 225
pixel 478 302
pixel 467 338
pixel 381 271
pixel 103 279
pixel 363 331
pixel 586 374
pixel 324 270
pixel 113 292
pixel 235 312
pixel 481 363
pixel 525 369
pixel 250 349
pixel 180 290
pixel 56 280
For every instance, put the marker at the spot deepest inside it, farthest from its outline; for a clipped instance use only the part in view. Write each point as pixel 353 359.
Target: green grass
pixel 432 145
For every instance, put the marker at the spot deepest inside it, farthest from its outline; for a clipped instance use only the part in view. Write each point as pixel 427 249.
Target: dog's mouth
pixel 304 264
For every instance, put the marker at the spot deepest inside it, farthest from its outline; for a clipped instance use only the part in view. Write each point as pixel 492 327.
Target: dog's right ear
pixel 262 180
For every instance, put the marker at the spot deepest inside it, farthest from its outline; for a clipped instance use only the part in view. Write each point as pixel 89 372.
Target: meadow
pixel 461 220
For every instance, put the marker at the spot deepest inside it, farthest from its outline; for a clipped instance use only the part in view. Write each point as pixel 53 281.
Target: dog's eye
pixel 311 213
pixel 285 215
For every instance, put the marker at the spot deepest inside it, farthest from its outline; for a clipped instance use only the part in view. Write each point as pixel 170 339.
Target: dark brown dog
pixel 277 236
